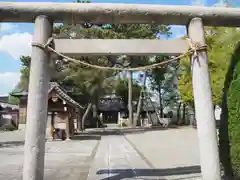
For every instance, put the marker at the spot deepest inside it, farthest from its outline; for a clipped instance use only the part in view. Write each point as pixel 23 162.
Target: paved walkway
pixel 173 153
pixel 172 148
pixel 68 160
pixel 116 159
pixel 147 155
pixel 136 156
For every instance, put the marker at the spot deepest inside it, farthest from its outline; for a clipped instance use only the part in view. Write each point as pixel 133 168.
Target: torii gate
pixel 44 14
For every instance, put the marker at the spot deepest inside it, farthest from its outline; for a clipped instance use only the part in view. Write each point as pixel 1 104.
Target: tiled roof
pixel 4 99
pixel 60 91
pixel 111 103
pixel 7 105
pixel 63 94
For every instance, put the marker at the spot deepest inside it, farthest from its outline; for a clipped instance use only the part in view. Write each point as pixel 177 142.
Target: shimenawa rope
pixel 194 48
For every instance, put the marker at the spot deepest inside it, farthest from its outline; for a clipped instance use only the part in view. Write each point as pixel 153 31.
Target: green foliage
pixel 8 127
pixel 25 71
pixel 122 90
pixel 234 123
pixel 162 80
pixel 13 100
pixel 123 124
pixel 234 112
pixel 157 74
pixel 185 81
pixel 221 43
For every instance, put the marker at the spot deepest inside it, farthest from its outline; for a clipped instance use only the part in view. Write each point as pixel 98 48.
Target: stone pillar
pixel 209 155
pixel 119 119
pixel 34 149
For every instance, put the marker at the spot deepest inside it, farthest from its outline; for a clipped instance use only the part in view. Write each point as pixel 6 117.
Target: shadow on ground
pixel 132 173
pixel 82 137
pixel 11 144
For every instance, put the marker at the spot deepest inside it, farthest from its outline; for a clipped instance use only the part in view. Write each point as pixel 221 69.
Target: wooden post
pixel 72 127
pixel 68 128
pixel 95 116
pixel 130 109
pixel 209 155
pixel 34 149
pixel 71 121
pixel 52 124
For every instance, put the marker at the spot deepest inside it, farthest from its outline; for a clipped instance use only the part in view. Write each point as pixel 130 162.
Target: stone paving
pixel 12 136
pixel 174 152
pixel 68 160
pixel 110 155
pixel 140 156
pixel 116 159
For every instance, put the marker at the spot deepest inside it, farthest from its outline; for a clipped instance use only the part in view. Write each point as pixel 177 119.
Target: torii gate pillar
pixel 34 149
pixel 206 126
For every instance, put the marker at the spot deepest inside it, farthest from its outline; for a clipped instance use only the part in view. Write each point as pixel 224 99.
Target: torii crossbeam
pixel 118 13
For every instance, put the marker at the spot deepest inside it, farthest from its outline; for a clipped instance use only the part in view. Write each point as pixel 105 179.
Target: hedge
pixel 234 119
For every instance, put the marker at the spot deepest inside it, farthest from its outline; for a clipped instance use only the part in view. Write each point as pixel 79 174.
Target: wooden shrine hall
pixel 63 111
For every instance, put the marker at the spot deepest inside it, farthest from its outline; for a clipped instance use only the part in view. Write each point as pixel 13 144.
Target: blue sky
pixel 15 38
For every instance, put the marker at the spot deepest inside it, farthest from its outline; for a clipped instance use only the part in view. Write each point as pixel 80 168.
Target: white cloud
pixel 17 44
pixel 199 2
pixel 222 3
pixel 7 26
pixel 8 80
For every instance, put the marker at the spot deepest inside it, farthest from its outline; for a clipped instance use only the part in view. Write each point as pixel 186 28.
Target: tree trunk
pixel 85 115
pixel 95 115
pixel 179 113
pixel 140 100
pixel 130 108
pixel 79 121
pixel 52 124
pixel 95 105
pixel 184 113
pixel 160 100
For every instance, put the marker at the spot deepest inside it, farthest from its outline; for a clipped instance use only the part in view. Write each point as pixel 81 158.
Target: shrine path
pixel 110 155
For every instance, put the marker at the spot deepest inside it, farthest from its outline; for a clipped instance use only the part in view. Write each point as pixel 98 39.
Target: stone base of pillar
pixel 49 139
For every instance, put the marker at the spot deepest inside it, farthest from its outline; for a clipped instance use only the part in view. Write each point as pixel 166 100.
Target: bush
pixel 123 124
pixel 234 120
pixel 9 127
